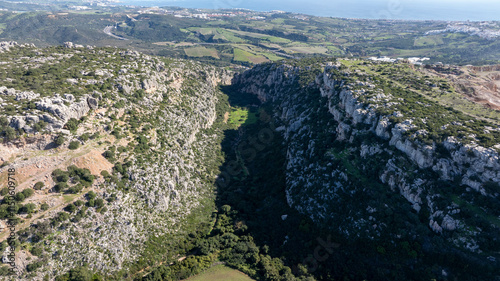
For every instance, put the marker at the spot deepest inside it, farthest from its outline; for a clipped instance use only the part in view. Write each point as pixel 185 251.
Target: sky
pixel 387 9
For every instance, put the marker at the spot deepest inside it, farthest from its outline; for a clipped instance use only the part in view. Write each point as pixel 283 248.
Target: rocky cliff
pixel 371 156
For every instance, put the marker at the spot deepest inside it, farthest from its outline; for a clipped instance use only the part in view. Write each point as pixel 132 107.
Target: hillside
pixel 233 37
pixel 113 151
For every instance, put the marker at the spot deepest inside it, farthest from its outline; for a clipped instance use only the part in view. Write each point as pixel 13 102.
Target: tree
pixel 60 186
pixel 91 195
pixel 108 154
pixel 28 208
pixel 63 177
pixel 28 192
pixel 99 203
pixel 36 250
pixel 70 208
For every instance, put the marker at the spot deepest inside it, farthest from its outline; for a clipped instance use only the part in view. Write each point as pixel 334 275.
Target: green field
pixel 201 51
pixel 221 273
pixel 429 41
pixel 240 116
pixel 244 56
pixel 307 50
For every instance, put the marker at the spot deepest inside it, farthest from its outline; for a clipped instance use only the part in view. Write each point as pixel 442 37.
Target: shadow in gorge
pixel 252 205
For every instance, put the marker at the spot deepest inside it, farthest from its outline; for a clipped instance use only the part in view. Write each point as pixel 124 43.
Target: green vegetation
pixel 239 222
pixel 60 139
pixel 72 124
pixel 245 56
pixel 201 52
pixel 74 145
pixel 240 116
pixel 275 37
pixel 220 272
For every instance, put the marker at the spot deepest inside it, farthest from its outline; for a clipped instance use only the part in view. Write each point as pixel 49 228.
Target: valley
pixel 195 144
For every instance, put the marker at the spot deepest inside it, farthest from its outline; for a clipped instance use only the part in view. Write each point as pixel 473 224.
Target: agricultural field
pixel 201 51
pixel 221 273
pixel 245 56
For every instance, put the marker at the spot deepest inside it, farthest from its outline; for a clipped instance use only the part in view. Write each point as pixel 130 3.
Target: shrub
pixel 39 185
pixel 105 174
pixel 44 207
pixel 84 137
pixel 72 124
pixel 4 121
pixel 61 216
pixel 34 266
pixel 4 191
pixel 108 154
pixel 36 251
pixel 74 145
pixel 28 208
pixel 70 208
pixel 99 203
pixel 40 126
pixel 60 140
pixel 20 197
pixel 60 186
pixel 9 134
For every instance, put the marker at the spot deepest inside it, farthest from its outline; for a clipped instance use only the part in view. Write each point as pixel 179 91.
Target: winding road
pixel 108 29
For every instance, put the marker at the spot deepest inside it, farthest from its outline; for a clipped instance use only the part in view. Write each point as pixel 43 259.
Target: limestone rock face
pixel 20 95
pixel 64 109
pixel 92 102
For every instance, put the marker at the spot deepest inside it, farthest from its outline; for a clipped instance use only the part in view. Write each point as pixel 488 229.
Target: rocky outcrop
pixel 59 111
pixel 20 95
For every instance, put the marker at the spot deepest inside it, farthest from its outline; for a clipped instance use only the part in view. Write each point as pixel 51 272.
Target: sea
pixel 449 10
